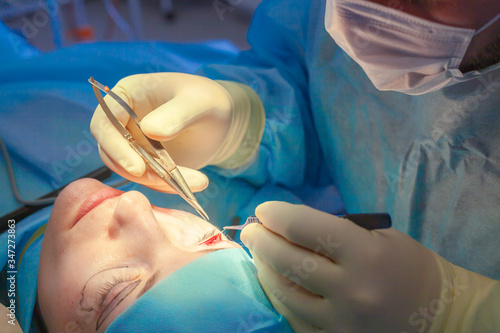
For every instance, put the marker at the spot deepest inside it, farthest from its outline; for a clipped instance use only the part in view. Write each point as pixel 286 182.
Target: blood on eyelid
pixel 212 240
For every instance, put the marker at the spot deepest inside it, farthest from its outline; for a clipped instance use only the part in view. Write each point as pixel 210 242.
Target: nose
pixel 133 213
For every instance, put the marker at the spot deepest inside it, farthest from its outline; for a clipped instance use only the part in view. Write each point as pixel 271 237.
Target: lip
pixel 95 200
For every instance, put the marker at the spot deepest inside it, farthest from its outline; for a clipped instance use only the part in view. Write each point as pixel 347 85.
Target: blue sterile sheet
pixel 46 103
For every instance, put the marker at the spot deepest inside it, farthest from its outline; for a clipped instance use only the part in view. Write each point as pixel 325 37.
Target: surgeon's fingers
pixel 301 308
pixel 303 267
pixel 185 109
pixel 171 118
pixel 196 180
pixel 320 232
pixel 112 142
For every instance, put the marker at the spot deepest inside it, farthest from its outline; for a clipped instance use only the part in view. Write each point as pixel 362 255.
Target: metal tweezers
pixel 250 220
pixel 159 161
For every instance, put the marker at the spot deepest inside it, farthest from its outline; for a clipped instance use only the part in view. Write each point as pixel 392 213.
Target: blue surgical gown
pixel 431 161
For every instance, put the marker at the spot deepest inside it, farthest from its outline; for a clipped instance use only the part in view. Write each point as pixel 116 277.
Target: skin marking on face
pixel 127 282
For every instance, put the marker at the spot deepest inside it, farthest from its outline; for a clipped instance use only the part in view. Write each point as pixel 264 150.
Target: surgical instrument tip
pixel 200 210
pixel 250 220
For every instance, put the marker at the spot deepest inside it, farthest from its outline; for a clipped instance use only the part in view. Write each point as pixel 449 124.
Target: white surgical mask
pixel 399 51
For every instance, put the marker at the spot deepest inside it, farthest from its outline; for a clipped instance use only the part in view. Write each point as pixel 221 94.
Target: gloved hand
pixel 324 273
pixel 199 122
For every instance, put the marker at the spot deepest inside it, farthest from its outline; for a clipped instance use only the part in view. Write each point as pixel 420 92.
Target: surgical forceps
pixel 250 219
pixel 159 160
pixel 369 221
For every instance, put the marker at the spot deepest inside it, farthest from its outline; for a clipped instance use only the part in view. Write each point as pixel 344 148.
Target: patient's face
pixel 104 248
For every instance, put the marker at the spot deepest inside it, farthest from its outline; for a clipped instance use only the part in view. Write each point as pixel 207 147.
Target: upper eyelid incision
pixel 211 234
pixel 208 234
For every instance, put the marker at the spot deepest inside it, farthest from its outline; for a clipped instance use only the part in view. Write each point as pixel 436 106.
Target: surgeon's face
pixel 484 49
pixel 104 248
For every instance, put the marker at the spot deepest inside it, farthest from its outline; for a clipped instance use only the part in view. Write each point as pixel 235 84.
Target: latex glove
pixel 324 273
pixel 199 121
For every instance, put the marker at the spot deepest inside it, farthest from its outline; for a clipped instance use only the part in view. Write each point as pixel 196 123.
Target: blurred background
pixel 50 24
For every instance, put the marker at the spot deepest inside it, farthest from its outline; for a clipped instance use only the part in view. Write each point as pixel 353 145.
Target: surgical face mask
pixel 398 51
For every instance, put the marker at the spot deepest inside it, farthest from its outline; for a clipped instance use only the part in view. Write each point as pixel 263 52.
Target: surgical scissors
pixel 159 160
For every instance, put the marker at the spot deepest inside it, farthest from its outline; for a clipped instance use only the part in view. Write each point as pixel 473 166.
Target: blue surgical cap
pixel 218 292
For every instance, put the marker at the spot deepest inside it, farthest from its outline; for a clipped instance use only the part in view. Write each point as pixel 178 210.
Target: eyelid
pixel 208 235
pixel 120 277
pixel 95 284
pixel 120 297
pixel 110 278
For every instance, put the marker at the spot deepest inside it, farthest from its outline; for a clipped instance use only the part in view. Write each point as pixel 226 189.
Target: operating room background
pixel 58 86
pixel 189 20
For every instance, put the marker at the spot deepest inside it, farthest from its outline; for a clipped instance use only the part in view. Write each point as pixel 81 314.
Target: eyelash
pixel 108 286
pixel 208 234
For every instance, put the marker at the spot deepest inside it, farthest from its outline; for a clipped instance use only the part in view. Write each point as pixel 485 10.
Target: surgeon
pixel 397 104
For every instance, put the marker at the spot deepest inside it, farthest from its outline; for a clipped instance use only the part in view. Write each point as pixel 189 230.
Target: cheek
pixel 58 297
pixel 64 314
pixel 74 250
